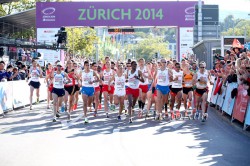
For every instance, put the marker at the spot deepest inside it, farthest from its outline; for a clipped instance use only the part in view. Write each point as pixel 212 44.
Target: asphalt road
pixel 30 138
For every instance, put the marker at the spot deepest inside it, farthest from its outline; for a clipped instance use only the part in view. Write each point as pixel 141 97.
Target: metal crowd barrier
pixel 237 107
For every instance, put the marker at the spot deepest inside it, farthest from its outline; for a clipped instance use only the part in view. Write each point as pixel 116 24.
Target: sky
pixel 237 8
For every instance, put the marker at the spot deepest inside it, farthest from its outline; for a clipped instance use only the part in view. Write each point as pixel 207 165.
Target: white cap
pixel 58 64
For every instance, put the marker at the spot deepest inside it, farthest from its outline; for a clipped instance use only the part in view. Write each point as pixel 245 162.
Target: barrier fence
pixel 15 94
pixel 225 98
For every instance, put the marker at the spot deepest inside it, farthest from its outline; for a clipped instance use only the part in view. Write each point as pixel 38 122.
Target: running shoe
pixel 86 120
pixel 37 100
pixel 69 116
pixel 57 115
pixel 112 107
pixel 107 115
pixel 197 115
pixel 95 114
pixel 75 107
pixel 119 117
pixel 54 120
pixel 154 114
pixel 157 117
pixel 172 115
pixel 130 120
pixel 140 114
pixel 160 117
pixel 62 109
pixel 30 107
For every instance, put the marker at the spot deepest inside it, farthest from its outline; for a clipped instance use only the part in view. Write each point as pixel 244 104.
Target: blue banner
pixel 228 104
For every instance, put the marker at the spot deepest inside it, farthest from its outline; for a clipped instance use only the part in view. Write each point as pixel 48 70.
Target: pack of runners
pixel 166 84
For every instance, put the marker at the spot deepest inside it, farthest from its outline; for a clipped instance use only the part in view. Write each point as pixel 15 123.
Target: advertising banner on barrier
pixel 6 96
pixel 247 119
pixel 228 103
pixel 21 93
pixel 240 106
pixel 21 96
pixel 220 99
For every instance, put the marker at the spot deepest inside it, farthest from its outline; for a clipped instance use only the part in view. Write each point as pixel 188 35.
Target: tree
pixel 147 48
pixel 81 40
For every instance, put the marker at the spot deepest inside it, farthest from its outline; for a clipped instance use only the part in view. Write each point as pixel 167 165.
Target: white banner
pixel 186 41
pixel 49 56
pixel 47 35
pixel 21 96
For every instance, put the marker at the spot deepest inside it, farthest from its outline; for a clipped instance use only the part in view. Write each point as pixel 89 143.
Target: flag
pixel 237 44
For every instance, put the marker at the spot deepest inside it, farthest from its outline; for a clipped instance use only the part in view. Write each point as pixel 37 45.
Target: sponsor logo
pixel 48 11
pixel 190 14
pixel 48 14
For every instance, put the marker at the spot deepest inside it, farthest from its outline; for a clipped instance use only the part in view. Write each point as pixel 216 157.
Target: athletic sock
pixel 140 103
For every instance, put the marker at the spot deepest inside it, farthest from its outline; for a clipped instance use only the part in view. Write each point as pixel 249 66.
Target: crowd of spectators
pixel 234 67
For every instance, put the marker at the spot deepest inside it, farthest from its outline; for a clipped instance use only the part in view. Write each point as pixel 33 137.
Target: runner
pixel 128 68
pixel 69 89
pixel 163 77
pixel 176 90
pixel 134 76
pixel 187 89
pixel 88 90
pixel 96 85
pixel 48 81
pixel 143 86
pixel 201 79
pixel 120 92
pixel 77 70
pixel 108 73
pixel 34 74
pixel 152 67
pixel 57 80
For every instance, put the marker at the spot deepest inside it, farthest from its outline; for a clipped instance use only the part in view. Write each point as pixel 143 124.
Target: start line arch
pixel 121 14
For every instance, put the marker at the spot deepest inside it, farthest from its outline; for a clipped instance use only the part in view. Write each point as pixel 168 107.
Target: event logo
pixel 190 14
pixel 48 11
pixel 48 14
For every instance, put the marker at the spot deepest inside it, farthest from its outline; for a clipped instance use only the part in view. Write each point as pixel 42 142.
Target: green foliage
pixel 147 48
pixel 235 27
pixel 81 40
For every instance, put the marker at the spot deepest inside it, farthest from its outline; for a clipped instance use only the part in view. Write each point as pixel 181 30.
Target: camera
pixel 62 36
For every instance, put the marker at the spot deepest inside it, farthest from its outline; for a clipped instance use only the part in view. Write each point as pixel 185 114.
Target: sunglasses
pixel 202 67
pixel 128 66
pixel 163 62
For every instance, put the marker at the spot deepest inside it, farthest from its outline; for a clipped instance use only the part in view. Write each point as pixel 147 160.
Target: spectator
pixel 3 73
pixel 15 73
pixel 23 72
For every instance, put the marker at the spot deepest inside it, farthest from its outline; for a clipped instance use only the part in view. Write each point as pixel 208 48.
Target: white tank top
pixel 120 83
pixel 107 76
pixel 87 77
pixel 178 83
pixel 58 81
pixel 163 77
pixel 202 84
pixel 96 84
pixel 34 73
pixel 133 83
pixel 144 72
